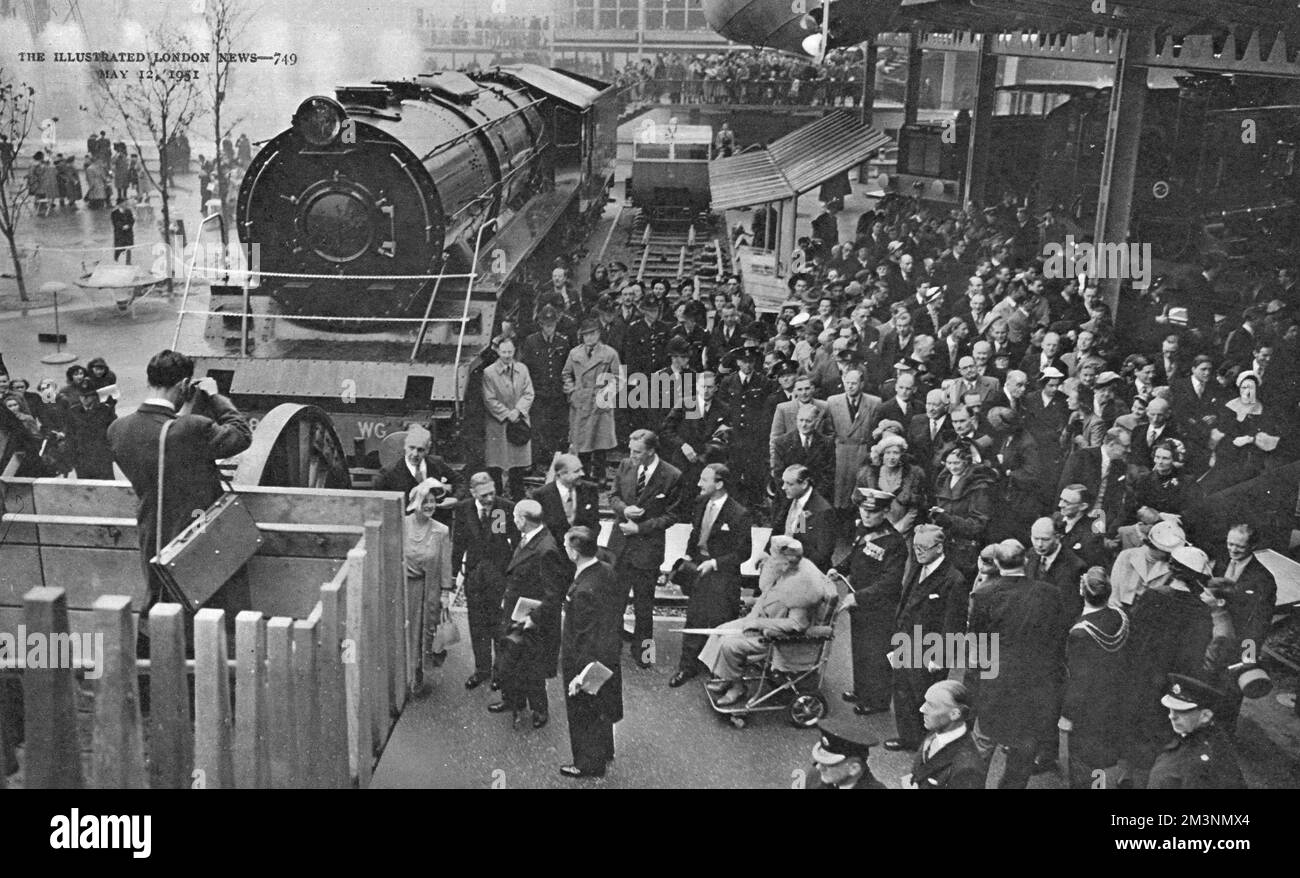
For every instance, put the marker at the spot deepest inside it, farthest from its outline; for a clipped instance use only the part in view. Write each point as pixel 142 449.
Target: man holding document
pixel 590 653
pixel 530 636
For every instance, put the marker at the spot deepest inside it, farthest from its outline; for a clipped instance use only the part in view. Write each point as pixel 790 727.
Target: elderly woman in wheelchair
pixel 793 590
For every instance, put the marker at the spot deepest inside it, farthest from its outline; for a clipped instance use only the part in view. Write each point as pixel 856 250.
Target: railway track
pixel 673 248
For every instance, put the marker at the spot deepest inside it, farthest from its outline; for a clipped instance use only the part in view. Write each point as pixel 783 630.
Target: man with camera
pixel 206 428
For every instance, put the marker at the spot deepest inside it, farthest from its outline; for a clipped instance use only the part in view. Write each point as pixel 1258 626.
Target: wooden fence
pixel 316 687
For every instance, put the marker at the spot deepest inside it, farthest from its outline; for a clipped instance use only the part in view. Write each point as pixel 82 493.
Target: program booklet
pixel 594 676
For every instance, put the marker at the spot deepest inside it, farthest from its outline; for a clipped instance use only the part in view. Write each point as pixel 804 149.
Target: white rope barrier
pixel 346 277
pixel 198 313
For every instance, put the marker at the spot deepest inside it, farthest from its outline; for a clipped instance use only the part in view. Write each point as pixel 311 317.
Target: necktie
pixel 1101 491
pixel 570 507
pixel 806 442
pixel 934 430
pixel 510 373
pixel 706 528
pixel 483 518
pixel 792 519
pixel 853 410
pixel 1233 571
pixel 1151 437
pixel 641 480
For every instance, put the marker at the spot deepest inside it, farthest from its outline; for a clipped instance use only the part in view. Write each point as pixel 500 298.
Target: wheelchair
pixel 788 676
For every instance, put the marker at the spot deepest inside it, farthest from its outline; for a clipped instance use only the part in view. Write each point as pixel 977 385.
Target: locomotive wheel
pixel 294 446
pixel 805 710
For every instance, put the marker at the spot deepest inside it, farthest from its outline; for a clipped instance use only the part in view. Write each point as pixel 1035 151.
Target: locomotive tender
pixel 389 221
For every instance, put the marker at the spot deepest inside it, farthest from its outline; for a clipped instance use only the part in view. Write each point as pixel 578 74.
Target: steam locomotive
pixel 388 222
pixel 1216 162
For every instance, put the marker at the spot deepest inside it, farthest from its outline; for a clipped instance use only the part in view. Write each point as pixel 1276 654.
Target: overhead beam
pixel 1261 54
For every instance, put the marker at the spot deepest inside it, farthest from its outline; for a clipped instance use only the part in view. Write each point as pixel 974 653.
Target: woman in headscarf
pixel 427 562
pixel 887 469
pixel 1243 436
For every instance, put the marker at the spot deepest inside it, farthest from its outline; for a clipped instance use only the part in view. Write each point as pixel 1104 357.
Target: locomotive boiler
pixel 388 222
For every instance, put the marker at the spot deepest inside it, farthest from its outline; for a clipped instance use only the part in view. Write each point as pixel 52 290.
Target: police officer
pixel 645 351
pixel 745 393
pixel 544 353
pixel 840 758
pixel 874 569
pixel 1202 756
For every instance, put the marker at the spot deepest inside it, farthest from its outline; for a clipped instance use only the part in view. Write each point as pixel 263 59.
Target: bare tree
pixel 157 102
pixel 17 110
pixel 227 20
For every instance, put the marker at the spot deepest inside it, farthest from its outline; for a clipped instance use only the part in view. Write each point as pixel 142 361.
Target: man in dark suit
pixel 206 427
pixel 873 569
pixel 1159 426
pixel 1075 527
pixel 805 515
pixel 537 571
pixel 948 758
pixel 1057 565
pixel 686 431
pixel 593 620
pixel 483 540
pixel 718 545
pixel 806 446
pixel 1016 703
pixel 933 600
pixel 903 405
pixel 1104 472
pixel 1251 605
pixel 928 433
pixel 417 465
pixel 1053 562
pixel 570 500
pixel 647 492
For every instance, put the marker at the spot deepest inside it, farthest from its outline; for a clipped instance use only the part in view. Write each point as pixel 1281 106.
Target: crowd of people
pixel 496 32
pixel 54 430
pixel 961 423
pixel 758 77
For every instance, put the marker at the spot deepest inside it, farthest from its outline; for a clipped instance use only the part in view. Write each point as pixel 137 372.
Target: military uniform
pixel 645 351
pixel 1203 759
pixel 747 400
pixel 874 567
pixel 545 360
pixel 841 740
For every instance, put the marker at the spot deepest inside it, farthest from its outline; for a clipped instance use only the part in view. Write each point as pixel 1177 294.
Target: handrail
pixel 645 254
pixel 717 249
pixel 681 263
pixel 189 276
pixel 469 291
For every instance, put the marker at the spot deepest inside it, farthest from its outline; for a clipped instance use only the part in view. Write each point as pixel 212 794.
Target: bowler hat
pixel 684 574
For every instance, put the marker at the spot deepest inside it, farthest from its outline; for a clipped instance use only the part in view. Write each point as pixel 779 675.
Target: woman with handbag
pixel 427 557
pixel 508 395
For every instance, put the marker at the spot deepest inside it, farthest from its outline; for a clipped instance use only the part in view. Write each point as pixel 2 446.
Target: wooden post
pixel 252 751
pixel 306 703
pixel 284 743
pixel 214 764
pixel 374 650
pixel 333 689
pixel 117 748
pixel 53 755
pixel 359 694
pixel 393 655
pixel 171 735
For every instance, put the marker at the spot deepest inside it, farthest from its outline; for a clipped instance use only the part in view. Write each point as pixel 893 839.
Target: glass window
pixel 652 150
pixel 654 14
pixel 675 15
pixel 627 15
pixel 608 17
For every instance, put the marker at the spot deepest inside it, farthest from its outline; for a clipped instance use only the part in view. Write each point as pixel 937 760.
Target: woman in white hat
pixel 1243 436
pixel 427 557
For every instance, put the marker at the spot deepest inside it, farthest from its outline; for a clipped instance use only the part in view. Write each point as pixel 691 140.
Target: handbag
pixel 518 432
pixel 203 557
